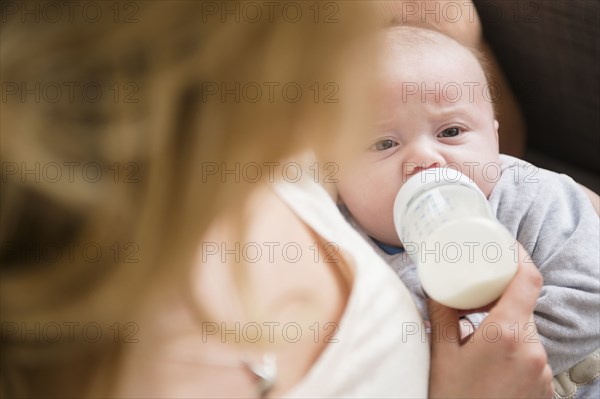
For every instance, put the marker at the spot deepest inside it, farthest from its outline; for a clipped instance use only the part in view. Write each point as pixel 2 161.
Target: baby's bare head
pixel 424 59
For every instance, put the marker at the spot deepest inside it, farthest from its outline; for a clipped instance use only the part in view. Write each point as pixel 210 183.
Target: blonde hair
pixel 134 159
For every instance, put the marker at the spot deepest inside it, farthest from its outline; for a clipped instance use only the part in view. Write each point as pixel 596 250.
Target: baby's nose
pixel 421 155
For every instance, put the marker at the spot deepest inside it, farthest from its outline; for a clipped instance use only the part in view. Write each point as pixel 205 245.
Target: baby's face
pixel 436 112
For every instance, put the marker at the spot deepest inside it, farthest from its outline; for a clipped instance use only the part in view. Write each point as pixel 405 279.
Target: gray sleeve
pixel 554 220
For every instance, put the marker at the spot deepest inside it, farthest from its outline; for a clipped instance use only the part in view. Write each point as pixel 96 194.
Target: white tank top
pixel 382 349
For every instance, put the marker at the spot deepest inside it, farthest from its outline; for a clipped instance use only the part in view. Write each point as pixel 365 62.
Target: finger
pixel 520 297
pixel 445 329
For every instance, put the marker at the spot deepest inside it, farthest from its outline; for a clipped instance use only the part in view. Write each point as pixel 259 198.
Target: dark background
pixel 550 53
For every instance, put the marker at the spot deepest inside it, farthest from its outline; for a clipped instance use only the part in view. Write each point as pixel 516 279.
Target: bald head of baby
pixel 429 65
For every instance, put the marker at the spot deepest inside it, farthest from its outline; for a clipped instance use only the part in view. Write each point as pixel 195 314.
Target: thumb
pixel 445 328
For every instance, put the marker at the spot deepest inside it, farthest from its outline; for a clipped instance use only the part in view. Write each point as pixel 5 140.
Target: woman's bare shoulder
pixel 262 292
pixel 287 287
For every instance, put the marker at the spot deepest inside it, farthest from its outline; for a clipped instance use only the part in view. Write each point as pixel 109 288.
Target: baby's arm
pixel 554 220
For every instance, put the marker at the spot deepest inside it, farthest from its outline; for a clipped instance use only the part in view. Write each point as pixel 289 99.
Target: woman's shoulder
pixel 286 285
pixel 322 298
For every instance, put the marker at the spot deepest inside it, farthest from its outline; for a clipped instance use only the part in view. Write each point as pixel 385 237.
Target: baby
pixel 438 112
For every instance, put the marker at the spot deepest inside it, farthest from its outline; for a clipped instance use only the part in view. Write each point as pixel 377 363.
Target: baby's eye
pixel 384 145
pixel 450 132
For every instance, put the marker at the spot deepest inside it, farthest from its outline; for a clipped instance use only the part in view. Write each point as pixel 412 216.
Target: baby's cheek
pixel 485 171
pixel 382 222
pixel 487 178
pixel 488 188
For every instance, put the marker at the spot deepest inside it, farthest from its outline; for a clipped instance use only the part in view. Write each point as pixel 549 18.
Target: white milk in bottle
pixel 465 258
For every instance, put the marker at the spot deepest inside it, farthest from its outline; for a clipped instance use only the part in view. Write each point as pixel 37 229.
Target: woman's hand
pixel 503 358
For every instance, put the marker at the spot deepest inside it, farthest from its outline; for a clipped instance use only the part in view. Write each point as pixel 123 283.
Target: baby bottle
pixel 465 258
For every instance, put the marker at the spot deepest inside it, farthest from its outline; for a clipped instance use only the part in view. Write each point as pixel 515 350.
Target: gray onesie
pixel 553 219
